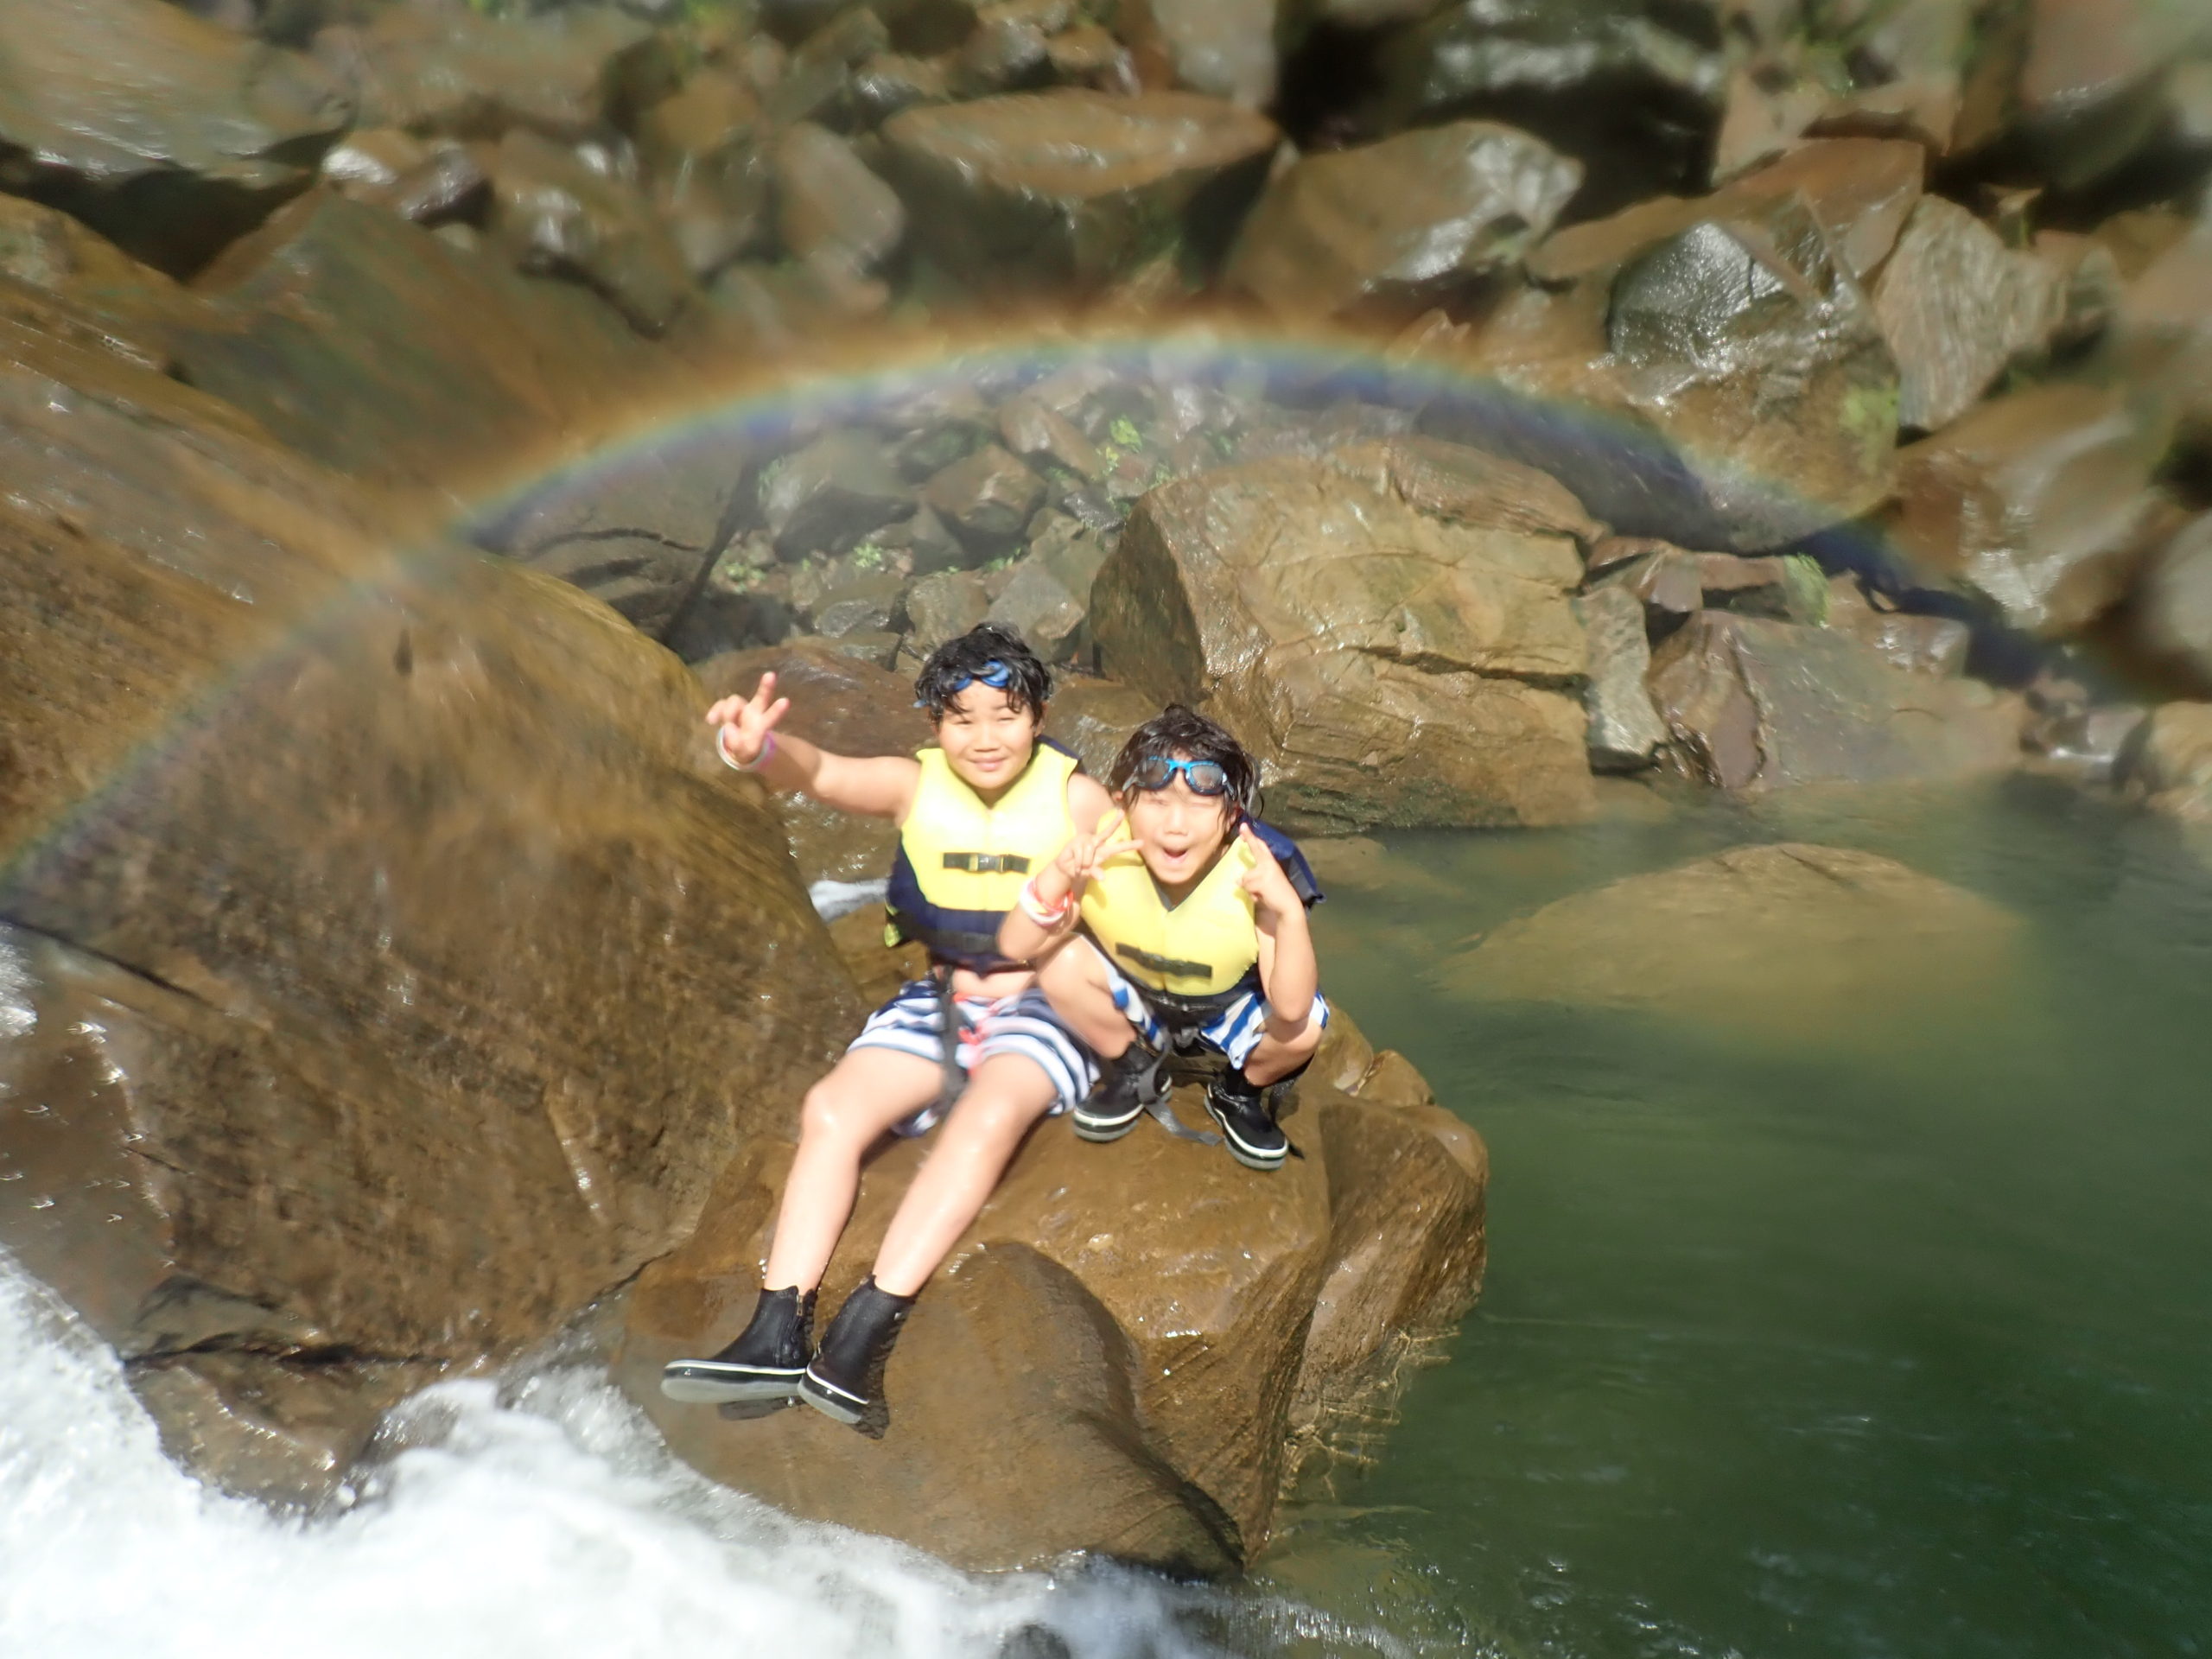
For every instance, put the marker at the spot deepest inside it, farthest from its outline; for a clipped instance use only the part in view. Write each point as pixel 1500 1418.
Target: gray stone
pixel 1626 730
pixel 829 203
pixel 944 607
pixel 989 498
pixel 870 602
pixel 2175 599
pixel 829 496
pixel 1038 606
pixel 1755 704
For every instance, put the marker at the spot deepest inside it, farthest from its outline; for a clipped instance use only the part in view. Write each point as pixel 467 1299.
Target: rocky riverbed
pixel 414 410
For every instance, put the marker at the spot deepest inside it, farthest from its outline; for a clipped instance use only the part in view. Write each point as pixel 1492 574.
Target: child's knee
pixel 1300 1044
pixel 827 1112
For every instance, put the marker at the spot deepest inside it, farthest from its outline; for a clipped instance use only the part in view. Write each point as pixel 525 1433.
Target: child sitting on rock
pixel 976 1044
pixel 1193 938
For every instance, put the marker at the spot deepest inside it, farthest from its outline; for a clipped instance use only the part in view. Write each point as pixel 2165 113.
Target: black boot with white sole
pixel 1246 1112
pixel 1127 1084
pixel 761 1368
pixel 845 1381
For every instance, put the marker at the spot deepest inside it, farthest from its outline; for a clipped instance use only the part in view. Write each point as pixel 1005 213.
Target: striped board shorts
pixel 911 1022
pixel 1236 1030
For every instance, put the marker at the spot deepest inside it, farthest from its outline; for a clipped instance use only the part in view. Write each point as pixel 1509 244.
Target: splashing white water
pixel 541 1526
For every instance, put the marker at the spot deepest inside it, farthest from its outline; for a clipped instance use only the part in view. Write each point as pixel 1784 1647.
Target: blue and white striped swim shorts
pixel 912 1023
pixel 1236 1030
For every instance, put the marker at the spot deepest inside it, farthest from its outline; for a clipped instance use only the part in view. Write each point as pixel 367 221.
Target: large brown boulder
pixel 373 346
pixel 1138 1328
pixel 1395 226
pixel 1789 942
pixel 2173 769
pixel 554 214
pixel 323 844
pixel 168 133
pixel 2035 500
pixel 1755 704
pixel 1389 663
pixel 1071 188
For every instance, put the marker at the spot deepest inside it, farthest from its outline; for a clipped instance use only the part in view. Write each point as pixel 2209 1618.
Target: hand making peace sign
pixel 745 722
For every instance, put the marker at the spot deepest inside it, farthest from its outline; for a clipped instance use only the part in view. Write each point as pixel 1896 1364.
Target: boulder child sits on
pixel 1193 938
pixel 978 814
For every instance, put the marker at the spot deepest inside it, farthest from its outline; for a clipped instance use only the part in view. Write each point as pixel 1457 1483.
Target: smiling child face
pixel 1178 830
pixel 987 740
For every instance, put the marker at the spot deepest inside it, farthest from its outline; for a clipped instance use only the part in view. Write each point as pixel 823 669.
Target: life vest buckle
pixel 988 863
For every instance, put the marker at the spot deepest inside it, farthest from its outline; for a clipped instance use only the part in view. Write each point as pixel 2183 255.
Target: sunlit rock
pixel 168 133
pixel 1387 663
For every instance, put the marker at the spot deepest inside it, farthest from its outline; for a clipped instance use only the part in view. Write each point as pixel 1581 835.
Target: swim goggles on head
pixel 994 674
pixel 1158 771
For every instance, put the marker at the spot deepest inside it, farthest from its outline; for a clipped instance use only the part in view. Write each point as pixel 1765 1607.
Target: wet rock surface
pixel 168 133
pixel 314 976
pixel 1140 1324
pixel 1072 187
pixel 1349 635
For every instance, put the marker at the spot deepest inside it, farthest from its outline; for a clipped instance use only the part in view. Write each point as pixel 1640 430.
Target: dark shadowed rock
pixel 309 991
pixel 1957 306
pixel 1147 1375
pixel 1792 943
pixel 2034 499
pixel 1759 704
pixel 853 707
pixel 1626 730
pixel 2093 91
pixel 168 134
pixel 827 496
pixel 1629 87
pixel 1396 225
pixel 365 342
pixel 827 202
pixel 553 214
pixel 462 72
pixel 1386 664
pixel 1072 187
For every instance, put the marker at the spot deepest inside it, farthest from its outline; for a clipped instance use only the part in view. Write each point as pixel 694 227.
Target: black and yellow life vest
pixel 961 863
pixel 1203 954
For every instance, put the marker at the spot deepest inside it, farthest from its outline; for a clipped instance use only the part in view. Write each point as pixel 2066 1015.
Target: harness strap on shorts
pixel 952 1022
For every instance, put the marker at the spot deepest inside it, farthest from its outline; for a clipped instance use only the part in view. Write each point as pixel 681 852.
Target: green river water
pixel 1887 1336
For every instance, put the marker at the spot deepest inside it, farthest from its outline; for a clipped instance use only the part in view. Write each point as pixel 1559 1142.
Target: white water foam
pixel 539 1524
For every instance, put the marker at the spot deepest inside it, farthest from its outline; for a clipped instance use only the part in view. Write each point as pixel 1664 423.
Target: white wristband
pixel 1034 908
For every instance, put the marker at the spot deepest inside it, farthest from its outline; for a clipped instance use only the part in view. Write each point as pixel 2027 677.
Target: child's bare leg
pixel 1283 1047
pixel 1006 1096
pixel 866 1093
pixel 1073 979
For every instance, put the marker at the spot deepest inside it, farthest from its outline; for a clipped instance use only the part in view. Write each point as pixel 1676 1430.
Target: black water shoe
pixel 761 1368
pixel 845 1381
pixel 1246 1113
pixel 1128 1084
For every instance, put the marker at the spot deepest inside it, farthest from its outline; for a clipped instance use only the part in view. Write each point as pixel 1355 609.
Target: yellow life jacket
pixel 961 864
pixel 1203 952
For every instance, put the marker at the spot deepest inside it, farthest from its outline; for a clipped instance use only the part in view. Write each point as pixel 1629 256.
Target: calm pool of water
pixel 1894 1342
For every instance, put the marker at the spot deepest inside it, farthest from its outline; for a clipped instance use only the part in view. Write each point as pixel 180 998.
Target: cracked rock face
pixel 319 865
pixel 1390 664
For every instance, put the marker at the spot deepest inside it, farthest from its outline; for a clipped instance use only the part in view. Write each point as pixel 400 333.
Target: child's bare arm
pixel 1023 936
pixel 878 786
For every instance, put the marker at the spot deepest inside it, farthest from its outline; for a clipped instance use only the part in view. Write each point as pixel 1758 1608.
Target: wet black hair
pixel 1176 730
pixel 956 663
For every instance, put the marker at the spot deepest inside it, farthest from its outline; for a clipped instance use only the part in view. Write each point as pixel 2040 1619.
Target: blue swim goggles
pixel 994 674
pixel 1158 771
